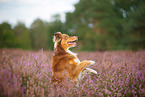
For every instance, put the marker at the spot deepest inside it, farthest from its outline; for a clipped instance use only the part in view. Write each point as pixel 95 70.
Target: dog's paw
pixel 92 62
pixel 94 72
pixel 89 70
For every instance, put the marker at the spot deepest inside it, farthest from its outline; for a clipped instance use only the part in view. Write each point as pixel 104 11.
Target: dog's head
pixel 64 40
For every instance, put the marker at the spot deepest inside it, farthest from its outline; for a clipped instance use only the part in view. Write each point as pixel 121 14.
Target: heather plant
pixel 27 74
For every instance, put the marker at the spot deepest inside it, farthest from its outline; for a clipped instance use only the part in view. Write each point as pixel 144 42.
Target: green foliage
pixel 7 37
pixel 25 39
pixel 22 36
pixel 135 28
pixel 39 34
pixel 55 26
pixel 99 24
pixel 110 23
pixel 99 20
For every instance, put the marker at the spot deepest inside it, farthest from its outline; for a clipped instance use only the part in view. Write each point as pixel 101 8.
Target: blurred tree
pixel 107 24
pixel 55 26
pixel 7 37
pixel 26 40
pixel 96 19
pixel 39 34
pixel 23 36
pixel 19 28
pixel 134 26
pixel 100 25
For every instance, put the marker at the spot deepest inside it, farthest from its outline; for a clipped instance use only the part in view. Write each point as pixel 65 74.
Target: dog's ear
pixel 57 37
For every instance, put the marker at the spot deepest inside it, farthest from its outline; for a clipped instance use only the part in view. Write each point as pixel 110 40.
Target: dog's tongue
pixel 72 43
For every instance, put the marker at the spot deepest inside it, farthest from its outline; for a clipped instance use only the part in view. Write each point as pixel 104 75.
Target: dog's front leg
pixel 80 66
pixel 86 71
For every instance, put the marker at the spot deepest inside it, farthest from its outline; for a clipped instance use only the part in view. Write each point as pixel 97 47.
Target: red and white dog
pixel 65 60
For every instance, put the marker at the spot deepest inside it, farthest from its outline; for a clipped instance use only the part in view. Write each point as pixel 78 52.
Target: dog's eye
pixel 66 37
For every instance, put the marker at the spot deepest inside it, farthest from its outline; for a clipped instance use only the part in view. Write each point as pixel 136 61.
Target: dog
pixel 66 63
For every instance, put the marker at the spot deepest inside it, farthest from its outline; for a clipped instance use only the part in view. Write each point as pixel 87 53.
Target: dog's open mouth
pixel 72 42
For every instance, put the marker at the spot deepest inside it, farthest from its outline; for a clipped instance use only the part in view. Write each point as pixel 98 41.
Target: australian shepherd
pixel 66 63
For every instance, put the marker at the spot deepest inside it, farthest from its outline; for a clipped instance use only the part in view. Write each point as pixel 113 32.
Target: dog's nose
pixel 76 37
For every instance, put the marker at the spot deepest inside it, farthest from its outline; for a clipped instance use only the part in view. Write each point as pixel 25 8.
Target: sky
pixel 27 11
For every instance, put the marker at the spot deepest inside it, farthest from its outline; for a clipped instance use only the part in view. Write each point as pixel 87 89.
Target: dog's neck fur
pixel 70 52
pixel 58 50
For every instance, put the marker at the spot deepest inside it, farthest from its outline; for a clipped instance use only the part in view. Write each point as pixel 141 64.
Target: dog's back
pixel 62 67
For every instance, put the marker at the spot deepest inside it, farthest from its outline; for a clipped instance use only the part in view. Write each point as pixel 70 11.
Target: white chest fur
pixel 70 52
pixel 76 60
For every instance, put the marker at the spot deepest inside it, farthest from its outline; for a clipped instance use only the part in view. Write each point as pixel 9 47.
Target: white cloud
pixel 5 0
pixel 30 1
pixel 28 10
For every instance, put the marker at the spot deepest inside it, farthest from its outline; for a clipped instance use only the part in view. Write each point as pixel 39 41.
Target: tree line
pixel 99 24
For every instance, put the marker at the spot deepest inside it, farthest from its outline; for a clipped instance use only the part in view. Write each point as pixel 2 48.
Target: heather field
pixel 27 74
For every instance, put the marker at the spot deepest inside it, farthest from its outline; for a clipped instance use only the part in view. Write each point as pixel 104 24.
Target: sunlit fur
pixel 65 63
